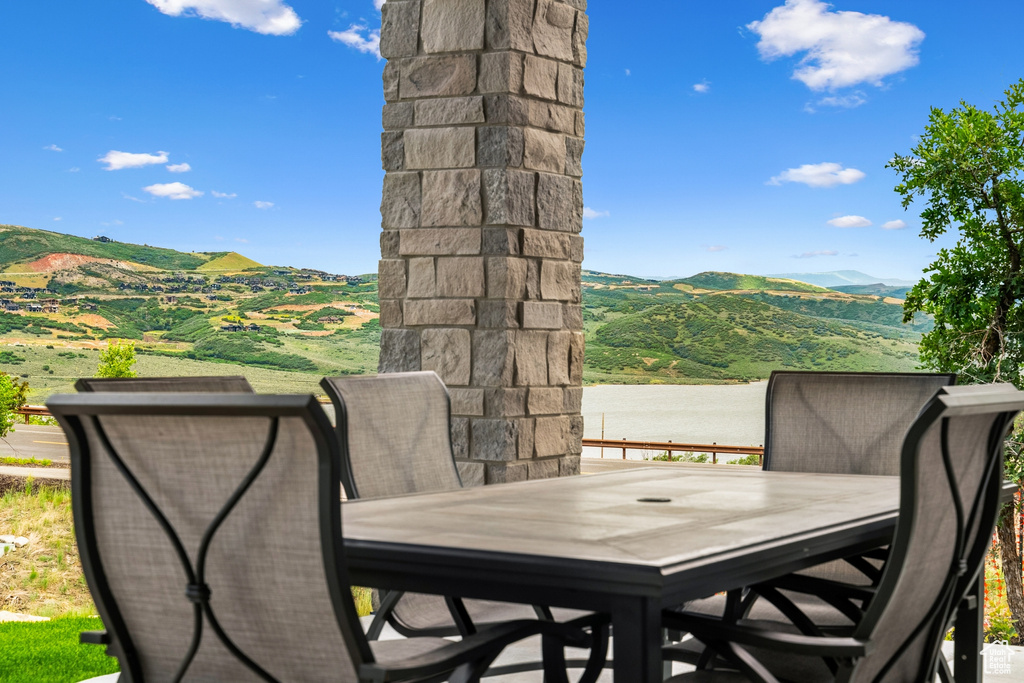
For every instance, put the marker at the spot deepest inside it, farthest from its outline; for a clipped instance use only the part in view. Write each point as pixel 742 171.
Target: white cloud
pixel 269 17
pixel 813 254
pixel 74 169
pixel 223 195
pixel 628 72
pixel 825 174
pixel 53 148
pixel 850 101
pixel 172 191
pixel 849 222
pixel 590 214
pixel 179 168
pixel 134 199
pixel 359 37
pixel 115 160
pixel 702 87
pixel 113 222
pixel 842 48
pixel 716 247
pixel 242 240
pixel 378 4
pixel 58 218
pixel 262 205
pixel 894 225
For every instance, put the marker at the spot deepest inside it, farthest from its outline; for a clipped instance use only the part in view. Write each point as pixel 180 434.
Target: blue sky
pixel 744 136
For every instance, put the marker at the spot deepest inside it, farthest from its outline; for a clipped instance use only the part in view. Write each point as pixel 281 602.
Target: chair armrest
pixel 710 629
pixel 480 645
pixel 94 638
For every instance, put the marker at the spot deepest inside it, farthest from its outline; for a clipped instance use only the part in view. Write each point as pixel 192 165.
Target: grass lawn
pixel 49 652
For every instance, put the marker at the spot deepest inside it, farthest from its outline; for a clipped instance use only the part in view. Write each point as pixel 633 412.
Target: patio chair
pixel 951 476
pixel 833 423
pixel 216 384
pixel 210 533
pixel 395 436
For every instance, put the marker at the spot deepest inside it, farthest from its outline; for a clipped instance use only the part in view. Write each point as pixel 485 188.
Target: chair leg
pixel 387 605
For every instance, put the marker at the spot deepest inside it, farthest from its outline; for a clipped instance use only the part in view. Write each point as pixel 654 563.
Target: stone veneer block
pixel 531 367
pixel 569 466
pixel 392 150
pixel 501 72
pixel 472 473
pixel 551 436
pixel 467 401
pixel 439 147
pixel 451 198
pixel 399 351
pixel 436 76
pixel 389 241
pixel 401 201
pixel 452 25
pixel 552 29
pixel 506 278
pixel 450 111
pixel 447 352
pixel 397 115
pixel 545 401
pixel 540 77
pixel 544 151
pixel 547 244
pixel 493 354
pixel 572 316
pixel 439 241
pixel 559 350
pixel 576 346
pixel 460 437
pixel 493 439
pixel 391 278
pixel 439 312
pixel 574 156
pixel 460 277
pixel 390 77
pixel 543 469
pixel 497 314
pixel 399 31
pixel 508 197
pixel 499 146
pixel 551 116
pixel 560 280
pixel 421 278
pixel 390 313
pixel 506 472
pixel 509 25
pixel 539 315
pixel 579 40
pixel 555 206
pixel 505 402
pixel 572 400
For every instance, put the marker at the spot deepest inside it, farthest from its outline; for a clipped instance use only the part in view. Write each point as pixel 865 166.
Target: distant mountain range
pixel 839 278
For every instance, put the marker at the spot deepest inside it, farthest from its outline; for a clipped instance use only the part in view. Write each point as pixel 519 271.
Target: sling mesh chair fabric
pixel 950 481
pixel 395 436
pixel 209 529
pixel 222 384
pixel 832 423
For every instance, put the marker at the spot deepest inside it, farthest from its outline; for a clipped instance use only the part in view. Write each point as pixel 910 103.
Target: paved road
pixel 35 441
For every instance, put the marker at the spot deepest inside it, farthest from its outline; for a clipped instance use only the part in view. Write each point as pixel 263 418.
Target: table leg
pixel 970 634
pixel 636 633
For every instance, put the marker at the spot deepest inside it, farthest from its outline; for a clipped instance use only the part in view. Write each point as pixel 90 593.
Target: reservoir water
pixel 726 414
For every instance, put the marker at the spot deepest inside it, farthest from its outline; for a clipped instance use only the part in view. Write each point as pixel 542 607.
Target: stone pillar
pixel 481 214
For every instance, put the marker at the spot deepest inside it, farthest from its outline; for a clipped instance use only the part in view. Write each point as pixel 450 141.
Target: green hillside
pixel 19 245
pixel 896 292
pixel 729 281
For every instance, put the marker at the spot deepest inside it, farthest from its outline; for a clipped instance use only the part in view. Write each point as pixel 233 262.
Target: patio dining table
pixel 627 543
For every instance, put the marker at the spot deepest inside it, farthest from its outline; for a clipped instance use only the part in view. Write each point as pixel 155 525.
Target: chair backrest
pixel 395 433
pixel 220 384
pixel 843 422
pixel 950 481
pixel 209 528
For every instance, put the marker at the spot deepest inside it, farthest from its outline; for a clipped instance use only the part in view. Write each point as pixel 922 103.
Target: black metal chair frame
pixel 465 661
pixel 840 652
pixel 461 618
pixel 186 384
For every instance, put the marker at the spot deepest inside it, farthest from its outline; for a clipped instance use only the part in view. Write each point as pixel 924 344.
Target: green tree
pixel 968 168
pixel 8 404
pixel 117 360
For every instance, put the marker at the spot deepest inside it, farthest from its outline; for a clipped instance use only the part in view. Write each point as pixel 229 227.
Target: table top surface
pixel 601 519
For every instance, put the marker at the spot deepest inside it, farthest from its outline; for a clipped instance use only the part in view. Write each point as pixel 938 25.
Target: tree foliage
pixel 117 360
pixel 8 404
pixel 969 169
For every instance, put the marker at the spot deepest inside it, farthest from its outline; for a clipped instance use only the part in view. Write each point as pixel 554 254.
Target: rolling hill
pixel 62 297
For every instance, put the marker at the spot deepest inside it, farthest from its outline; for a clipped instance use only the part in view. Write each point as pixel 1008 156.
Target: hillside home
pixel 34 308
pixel 12 307
pixel 102 238
pixel 232 327
pixel 51 308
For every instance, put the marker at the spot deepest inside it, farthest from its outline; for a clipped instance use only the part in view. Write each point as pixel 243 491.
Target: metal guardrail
pixel 33 411
pixel 714 449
